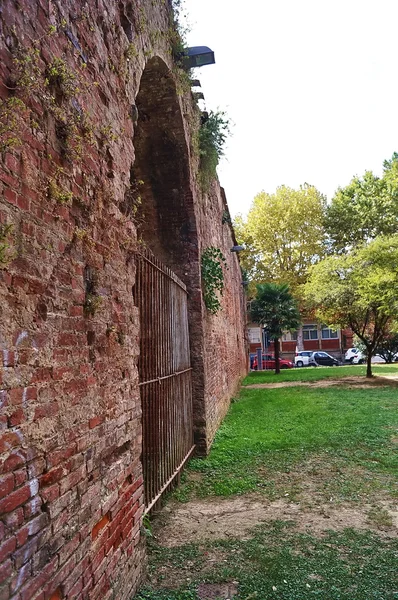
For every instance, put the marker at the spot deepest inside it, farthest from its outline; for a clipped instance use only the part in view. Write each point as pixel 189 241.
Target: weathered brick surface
pixel 71 487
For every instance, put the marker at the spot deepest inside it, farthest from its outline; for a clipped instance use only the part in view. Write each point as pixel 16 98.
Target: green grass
pixel 277 562
pixel 276 441
pixel 318 373
pixel 268 433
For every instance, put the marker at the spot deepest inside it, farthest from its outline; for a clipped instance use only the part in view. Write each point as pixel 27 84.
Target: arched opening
pixel 160 185
pixel 167 290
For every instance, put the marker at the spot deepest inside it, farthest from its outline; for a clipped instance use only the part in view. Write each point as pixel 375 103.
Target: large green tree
pixel 275 308
pixel 283 235
pixel 358 290
pixel 364 209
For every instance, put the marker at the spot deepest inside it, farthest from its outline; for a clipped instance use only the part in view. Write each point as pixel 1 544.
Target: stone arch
pixel 163 203
pixel 160 175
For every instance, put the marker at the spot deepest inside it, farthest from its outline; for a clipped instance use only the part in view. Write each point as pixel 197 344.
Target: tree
pixel 283 235
pixel 275 308
pixel 388 347
pixel 365 209
pixel 358 290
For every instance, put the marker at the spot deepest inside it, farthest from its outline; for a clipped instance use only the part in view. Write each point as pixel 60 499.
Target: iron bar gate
pixel 165 375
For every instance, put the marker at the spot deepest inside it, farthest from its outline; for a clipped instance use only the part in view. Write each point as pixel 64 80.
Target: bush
pixel 213 134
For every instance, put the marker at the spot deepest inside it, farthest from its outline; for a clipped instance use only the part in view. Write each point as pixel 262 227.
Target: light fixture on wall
pixel 237 248
pixel 197 56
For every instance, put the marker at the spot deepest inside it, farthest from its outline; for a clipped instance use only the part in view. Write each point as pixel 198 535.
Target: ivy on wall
pixel 213 264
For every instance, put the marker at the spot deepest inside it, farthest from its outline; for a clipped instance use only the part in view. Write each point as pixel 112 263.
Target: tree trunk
pixel 277 365
pixel 369 364
pixel 300 343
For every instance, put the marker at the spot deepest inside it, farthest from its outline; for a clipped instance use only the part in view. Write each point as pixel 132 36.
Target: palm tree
pixel 275 308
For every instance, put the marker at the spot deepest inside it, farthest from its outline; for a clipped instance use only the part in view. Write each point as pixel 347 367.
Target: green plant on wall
pixel 14 118
pixel 5 257
pixel 213 134
pixel 213 264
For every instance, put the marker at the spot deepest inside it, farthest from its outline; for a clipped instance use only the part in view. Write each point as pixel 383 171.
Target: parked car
pixel 315 359
pixel 360 358
pixel 351 354
pixel 323 359
pixel 269 362
pixel 301 359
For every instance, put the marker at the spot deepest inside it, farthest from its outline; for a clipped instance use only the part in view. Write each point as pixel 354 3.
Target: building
pixel 315 336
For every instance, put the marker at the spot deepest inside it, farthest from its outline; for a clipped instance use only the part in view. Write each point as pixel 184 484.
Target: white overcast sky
pixel 311 85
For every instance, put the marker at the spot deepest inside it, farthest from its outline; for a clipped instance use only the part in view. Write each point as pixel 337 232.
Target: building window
pixel 290 336
pixel 329 334
pixel 310 332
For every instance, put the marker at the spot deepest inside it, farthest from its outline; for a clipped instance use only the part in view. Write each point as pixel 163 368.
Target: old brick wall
pixel 225 348
pixel 71 494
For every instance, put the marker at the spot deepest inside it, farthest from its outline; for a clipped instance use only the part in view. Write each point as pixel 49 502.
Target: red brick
pixel 99 526
pixel 58 456
pixel 14 519
pixel 5 571
pixel 20 477
pixel 24 573
pixel 33 586
pixel 23 203
pixel 75 591
pixel 51 476
pixel 9 180
pixel 49 494
pixel 71 480
pixel 7 548
pixel 16 418
pixel 24 554
pixel 31 528
pixel 9 440
pixel 69 549
pixel 10 196
pixel 6 484
pixel 95 421
pixel 15 499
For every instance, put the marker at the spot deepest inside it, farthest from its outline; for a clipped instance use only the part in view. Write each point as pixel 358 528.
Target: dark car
pixel 323 359
pixel 269 362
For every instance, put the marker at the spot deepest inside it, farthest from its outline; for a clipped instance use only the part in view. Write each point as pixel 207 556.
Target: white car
pixel 302 358
pixel 351 354
pixel 360 358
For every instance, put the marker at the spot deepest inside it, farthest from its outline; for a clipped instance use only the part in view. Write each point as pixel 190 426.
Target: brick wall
pixel 71 494
pixel 225 347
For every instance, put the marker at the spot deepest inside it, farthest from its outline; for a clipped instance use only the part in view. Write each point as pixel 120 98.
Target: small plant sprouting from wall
pixel 14 115
pixel 213 134
pixel 213 264
pixel 5 231
pixel 226 218
pixel 61 77
pixel 92 301
pixel 56 190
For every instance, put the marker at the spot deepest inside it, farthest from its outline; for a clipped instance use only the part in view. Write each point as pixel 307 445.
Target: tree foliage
pixel 358 290
pixel 283 235
pixel 364 209
pixel 275 308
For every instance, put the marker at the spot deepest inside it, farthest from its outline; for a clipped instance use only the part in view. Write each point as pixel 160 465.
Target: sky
pixel 310 85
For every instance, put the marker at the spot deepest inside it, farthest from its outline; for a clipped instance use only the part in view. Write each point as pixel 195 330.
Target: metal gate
pixel 165 375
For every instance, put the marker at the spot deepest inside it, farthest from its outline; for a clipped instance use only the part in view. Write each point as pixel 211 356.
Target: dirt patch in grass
pixel 357 382
pixel 214 518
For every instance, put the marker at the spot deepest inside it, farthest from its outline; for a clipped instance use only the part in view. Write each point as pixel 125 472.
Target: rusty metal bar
pixel 159 379
pixel 165 375
pixel 170 480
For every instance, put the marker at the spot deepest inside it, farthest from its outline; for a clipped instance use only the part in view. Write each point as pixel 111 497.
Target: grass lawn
pixel 318 373
pixel 312 448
